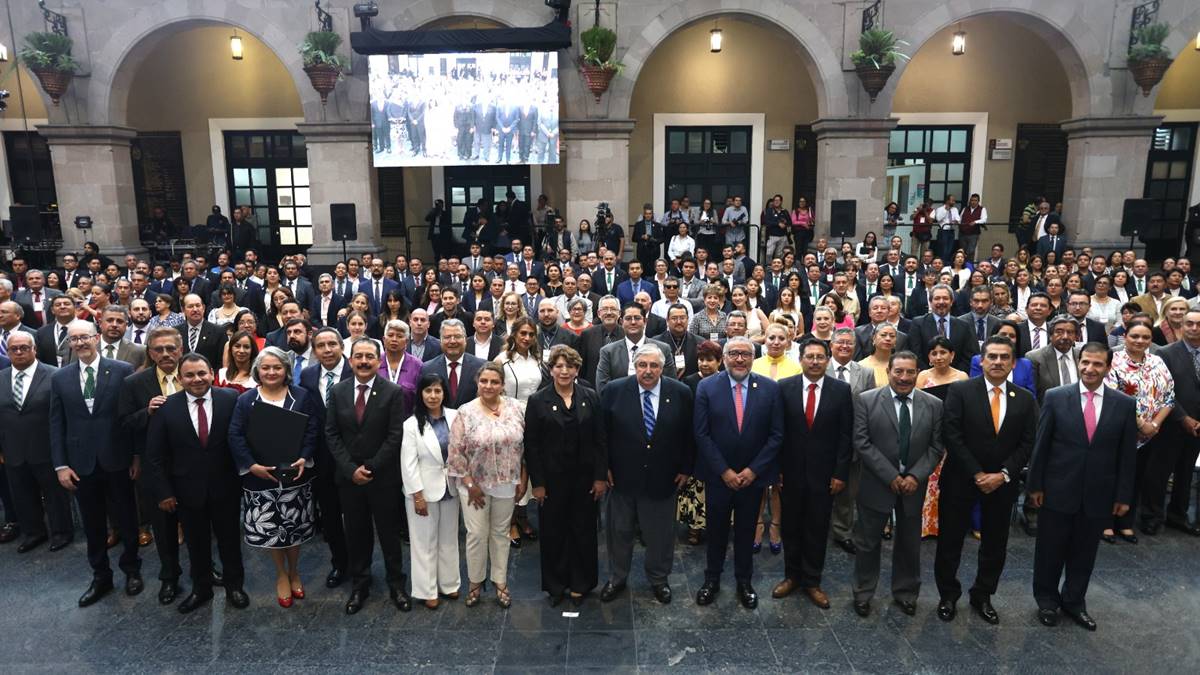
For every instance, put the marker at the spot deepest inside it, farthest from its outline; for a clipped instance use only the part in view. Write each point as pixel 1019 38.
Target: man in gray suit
pixel 35 298
pixel 616 359
pixel 864 335
pixel 11 315
pixel 114 321
pixel 843 367
pixel 980 319
pixel 25 444
pixel 1054 364
pixel 898 437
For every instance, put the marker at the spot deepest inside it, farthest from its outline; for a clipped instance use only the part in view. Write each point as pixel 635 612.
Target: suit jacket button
pixel 647 446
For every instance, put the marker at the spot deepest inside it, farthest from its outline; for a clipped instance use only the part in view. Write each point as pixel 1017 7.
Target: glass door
pixel 268 172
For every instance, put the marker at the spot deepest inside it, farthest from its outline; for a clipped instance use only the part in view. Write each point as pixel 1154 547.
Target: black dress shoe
pixel 557 598
pixel 1151 528
pixel 746 595
pixel 401 600
pixel 1108 538
pixel 1181 525
pixel 862 609
pixel 168 592
pixel 97 590
pixel 1048 617
pixel 577 600
pixel 134 584
pixel 662 593
pixel 707 593
pixel 610 591
pixel 983 607
pixel 194 601
pixel 218 579
pixel 355 603
pixel 9 532
pixel 1082 619
pixel 237 597
pixel 848 546
pixel 58 544
pixel 906 606
pixel 947 610
pixel 1130 538
pixel 31 543
pixel 334 578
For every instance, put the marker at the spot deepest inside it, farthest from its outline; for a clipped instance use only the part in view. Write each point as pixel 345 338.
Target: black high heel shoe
pixel 1108 538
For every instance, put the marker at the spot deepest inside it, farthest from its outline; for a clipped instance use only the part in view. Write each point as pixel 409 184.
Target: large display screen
pixel 464 108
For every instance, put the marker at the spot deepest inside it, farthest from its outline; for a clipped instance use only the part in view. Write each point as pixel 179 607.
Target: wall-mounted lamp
pixel 1198 40
pixel 235 46
pixel 3 54
pixel 958 46
pixel 714 39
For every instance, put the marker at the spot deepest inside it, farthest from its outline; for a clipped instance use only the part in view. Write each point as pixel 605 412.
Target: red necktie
pixel 360 404
pixel 201 423
pixel 37 306
pixel 810 406
pixel 738 406
pixel 453 382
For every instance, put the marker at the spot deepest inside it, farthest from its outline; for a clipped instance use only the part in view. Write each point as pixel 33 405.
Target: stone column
pixel 597 155
pixel 93 176
pixel 1106 164
pixel 852 164
pixel 340 171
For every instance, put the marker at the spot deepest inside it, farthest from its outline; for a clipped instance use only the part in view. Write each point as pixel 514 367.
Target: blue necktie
pixel 648 414
pixel 296 371
pixel 980 330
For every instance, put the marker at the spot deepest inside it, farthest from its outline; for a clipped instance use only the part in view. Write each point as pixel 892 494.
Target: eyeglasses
pixel 738 354
pixel 80 339
pixel 13 349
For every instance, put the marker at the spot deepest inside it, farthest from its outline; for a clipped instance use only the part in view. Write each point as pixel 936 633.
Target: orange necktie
pixel 996 408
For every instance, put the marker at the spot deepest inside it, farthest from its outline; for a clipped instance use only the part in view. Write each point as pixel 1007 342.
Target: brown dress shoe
pixel 818 597
pixel 145 538
pixel 113 539
pixel 784 588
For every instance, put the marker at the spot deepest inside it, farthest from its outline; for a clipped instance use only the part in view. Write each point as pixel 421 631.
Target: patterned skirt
pixel 278 517
pixel 929 510
pixel 689 508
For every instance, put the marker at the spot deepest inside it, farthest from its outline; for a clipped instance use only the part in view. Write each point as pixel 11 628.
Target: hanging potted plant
pixel 1148 59
pixel 322 63
pixel 597 65
pixel 48 56
pixel 875 60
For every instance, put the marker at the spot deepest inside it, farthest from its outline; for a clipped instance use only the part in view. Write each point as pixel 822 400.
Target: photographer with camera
pixel 736 221
pixel 704 228
pixel 646 233
pixel 778 224
pixel 610 235
pixel 557 237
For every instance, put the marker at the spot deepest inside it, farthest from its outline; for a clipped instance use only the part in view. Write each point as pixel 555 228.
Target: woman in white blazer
pixel 431 506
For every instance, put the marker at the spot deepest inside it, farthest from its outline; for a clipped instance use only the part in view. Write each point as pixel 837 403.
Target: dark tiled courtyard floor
pixel 1146 599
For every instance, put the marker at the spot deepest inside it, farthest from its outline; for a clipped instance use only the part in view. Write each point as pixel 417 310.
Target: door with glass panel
pixel 466 185
pixel 927 161
pixel 268 171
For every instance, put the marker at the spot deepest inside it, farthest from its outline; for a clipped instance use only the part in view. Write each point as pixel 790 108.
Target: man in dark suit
pixel 635 284
pixel 319 379
pixel 1079 302
pixel 682 342
pixel 738 423
pixel 989 426
pixel 325 305
pixel 1052 242
pixel 457 368
pixel 608 276
pixel 451 308
pixel 11 317
pixel 1178 454
pixel 35 299
pixel 377 287
pixel 289 310
pixel 550 327
pixel 53 349
pixel 190 474
pixel 898 437
pixel 485 343
pixel 981 322
pixel 606 331
pixel 141 395
pixel 1081 475
pixel 200 336
pixel 648 463
pixel 25 447
pixel 364 424
pixel 93 457
pixel 420 343
pixel 302 289
pixel 939 322
pixel 864 335
pixel 815 466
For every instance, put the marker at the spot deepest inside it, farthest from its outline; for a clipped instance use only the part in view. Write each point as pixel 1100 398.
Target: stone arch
pixel 1075 49
pixel 819 56
pixel 504 12
pixel 116 61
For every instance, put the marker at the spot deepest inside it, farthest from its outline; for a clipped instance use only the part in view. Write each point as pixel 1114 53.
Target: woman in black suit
pixel 569 472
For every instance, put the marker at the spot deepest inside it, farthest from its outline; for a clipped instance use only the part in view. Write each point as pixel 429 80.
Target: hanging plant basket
pixel 597 78
pixel 1149 72
pixel 873 78
pixel 324 78
pixel 54 82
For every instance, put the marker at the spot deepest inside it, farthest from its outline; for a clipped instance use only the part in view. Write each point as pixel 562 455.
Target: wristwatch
pixel 1007 478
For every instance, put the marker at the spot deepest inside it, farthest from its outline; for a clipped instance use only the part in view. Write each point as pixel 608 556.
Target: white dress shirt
pixel 28 379
pixel 1097 402
pixel 1004 389
pixel 1068 358
pixel 195 416
pixel 631 349
pixel 83 378
pixel 654 396
pixel 817 394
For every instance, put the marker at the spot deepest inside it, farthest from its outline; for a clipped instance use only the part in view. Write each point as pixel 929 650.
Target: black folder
pixel 276 436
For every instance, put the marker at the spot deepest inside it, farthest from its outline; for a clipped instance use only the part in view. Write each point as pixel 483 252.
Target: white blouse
pixel 522 375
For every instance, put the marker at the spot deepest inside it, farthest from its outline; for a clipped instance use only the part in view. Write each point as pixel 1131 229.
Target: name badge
pixel 680 363
pixel 713 337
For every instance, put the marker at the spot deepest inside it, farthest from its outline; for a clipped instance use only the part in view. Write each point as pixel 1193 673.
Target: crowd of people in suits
pixel 824 395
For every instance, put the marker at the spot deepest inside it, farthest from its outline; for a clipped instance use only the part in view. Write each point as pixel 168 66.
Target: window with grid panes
pixel 31 177
pixel 1169 170
pixel 712 162
pixel 268 171
pixel 945 154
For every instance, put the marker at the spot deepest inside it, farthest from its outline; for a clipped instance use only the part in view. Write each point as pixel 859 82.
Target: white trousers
pixel 433 548
pixel 487 537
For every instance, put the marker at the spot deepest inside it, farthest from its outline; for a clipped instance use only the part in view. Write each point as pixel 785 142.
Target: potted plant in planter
pixel 1148 59
pixel 48 55
pixel 321 60
pixel 875 60
pixel 597 65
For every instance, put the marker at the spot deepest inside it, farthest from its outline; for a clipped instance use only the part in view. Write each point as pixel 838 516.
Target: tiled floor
pixel 1146 599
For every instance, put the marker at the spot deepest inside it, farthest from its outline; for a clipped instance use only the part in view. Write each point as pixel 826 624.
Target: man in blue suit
pixel 739 430
pixel 635 284
pixel 377 287
pixel 1080 476
pixel 93 456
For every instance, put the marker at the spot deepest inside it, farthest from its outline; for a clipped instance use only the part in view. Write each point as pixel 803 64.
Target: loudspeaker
pixel 1136 216
pixel 26 223
pixel 841 218
pixel 345 224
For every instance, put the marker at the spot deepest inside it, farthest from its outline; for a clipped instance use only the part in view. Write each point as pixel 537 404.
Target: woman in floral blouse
pixel 485 455
pixel 1145 377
